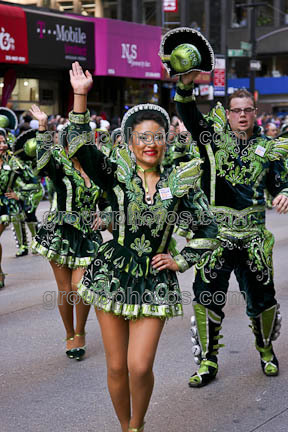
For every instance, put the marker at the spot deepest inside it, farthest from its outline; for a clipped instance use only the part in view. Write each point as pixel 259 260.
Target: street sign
pixel 170 5
pixel 255 65
pixel 219 77
pixel 236 53
pixel 204 90
pixel 246 46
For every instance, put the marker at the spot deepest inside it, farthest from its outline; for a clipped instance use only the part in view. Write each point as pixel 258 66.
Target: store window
pixel 110 9
pixel 149 15
pixel 28 91
pixel 140 91
pixel 239 14
pixel 265 14
pixel 25 92
pixel 284 11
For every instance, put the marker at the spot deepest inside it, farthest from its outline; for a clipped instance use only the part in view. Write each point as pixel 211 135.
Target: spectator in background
pixel 104 125
pixel 26 124
pixel 271 130
pixel 34 124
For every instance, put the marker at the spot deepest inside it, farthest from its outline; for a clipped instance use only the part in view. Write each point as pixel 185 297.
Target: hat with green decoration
pixel 183 50
pixel 138 110
pixel 8 119
pixel 24 146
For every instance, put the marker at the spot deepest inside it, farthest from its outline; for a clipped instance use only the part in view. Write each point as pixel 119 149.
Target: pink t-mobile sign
pixel 126 49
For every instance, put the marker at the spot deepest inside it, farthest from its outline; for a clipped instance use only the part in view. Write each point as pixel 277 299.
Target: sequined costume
pixel 66 236
pixel 11 178
pixel 122 280
pixel 235 175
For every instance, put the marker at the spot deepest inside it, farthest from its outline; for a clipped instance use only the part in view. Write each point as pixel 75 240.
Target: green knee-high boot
pixel 21 238
pixel 205 329
pixel 266 328
pixel 33 229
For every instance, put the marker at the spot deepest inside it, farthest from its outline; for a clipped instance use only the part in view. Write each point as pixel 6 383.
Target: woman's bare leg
pixel 115 334
pixel 144 335
pixel 65 300
pixel 82 309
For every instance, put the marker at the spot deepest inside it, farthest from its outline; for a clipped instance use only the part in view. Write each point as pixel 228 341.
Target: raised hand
pixel 81 82
pixel 189 77
pixel 39 115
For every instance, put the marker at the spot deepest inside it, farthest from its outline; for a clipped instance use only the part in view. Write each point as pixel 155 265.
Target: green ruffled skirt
pixel 66 245
pixel 120 282
pixel 10 210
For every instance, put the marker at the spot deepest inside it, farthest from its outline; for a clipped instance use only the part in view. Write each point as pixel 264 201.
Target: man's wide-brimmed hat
pixel 24 146
pixel 8 119
pixel 130 115
pixel 183 50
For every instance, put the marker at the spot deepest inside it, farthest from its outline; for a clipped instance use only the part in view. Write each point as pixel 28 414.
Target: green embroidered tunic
pixel 34 191
pixel 235 172
pixel 13 177
pixel 121 280
pixel 235 176
pixel 66 236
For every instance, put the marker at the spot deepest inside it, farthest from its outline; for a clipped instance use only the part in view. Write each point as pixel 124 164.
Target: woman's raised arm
pixel 80 137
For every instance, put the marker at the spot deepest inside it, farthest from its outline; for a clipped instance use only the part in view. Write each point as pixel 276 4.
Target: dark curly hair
pixel 148 115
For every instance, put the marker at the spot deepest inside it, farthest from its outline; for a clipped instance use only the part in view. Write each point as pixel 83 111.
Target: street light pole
pixel 253 41
pixel 253 47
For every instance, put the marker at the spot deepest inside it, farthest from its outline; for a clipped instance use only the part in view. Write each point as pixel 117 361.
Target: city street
pixel 44 391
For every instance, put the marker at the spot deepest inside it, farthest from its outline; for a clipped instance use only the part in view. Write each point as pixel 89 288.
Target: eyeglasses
pixel 245 110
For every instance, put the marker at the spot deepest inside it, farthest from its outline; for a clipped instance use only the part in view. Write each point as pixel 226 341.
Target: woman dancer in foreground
pixel 133 277
pixel 66 238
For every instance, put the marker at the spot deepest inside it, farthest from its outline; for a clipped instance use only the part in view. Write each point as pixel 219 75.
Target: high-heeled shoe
pixel 131 429
pixel 79 352
pixel 2 281
pixel 69 352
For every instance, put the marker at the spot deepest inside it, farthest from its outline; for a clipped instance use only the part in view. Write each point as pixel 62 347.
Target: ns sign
pixel 129 51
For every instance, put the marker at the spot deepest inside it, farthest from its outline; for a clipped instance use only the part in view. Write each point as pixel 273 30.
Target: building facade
pixel 42 77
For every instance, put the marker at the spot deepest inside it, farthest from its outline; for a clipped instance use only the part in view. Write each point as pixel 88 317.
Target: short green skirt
pixel 66 245
pixel 120 282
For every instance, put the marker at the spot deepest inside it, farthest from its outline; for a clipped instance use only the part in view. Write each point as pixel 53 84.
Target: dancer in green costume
pixel 133 276
pixel 13 185
pixel 239 163
pixel 66 238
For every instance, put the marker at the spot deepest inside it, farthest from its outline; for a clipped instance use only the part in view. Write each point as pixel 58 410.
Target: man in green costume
pixel 238 164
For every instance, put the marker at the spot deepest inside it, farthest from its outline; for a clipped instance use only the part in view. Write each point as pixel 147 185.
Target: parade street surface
pixel 44 391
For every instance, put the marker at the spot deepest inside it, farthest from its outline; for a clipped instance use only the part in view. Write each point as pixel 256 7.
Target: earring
pixel 133 157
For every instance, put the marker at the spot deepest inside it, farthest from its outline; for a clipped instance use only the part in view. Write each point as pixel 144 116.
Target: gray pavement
pixel 43 391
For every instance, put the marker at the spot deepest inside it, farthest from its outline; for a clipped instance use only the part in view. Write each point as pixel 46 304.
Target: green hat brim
pixel 18 146
pixel 13 122
pixel 3 132
pixel 182 35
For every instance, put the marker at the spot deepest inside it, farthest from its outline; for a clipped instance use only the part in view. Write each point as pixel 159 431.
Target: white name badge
pixel 165 193
pixel 260 151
